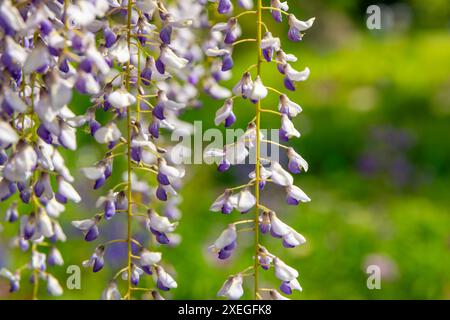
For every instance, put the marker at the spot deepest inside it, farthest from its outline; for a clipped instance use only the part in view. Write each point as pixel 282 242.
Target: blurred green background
pixel 375 125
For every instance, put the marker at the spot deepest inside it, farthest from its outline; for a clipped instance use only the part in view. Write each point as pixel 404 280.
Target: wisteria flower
pixel 226 243
pixel 295 195
pixel 292 76
pixel 269 45
pixel 225 114
pixel 232 288
pixel 278 17
pixel 149 259
pixel 88 227
pixel 296 162
pixel 96 261
pixel 297 26
pixel 287 275
pixel 287 129
pixel 243 201
pixel 14 279
pixel 164 281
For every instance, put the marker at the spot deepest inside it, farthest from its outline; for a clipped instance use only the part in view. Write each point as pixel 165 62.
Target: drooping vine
pixel 142 46
pixel 37 83
pixel 225 37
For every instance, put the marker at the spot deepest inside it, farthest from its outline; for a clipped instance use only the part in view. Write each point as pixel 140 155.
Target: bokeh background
pixel 375 130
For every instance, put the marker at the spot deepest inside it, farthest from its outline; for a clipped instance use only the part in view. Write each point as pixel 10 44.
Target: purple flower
pixel 277 15
pixel 297 26
pixel 110 37
pixel 88 227
pixel 224 7
pixel 96 261
pixel 226 243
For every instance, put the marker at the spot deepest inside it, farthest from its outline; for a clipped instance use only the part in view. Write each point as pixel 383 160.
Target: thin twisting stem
pixel 129 128
pixel 258 138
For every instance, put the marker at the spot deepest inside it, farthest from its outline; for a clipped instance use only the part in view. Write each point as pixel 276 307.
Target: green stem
pixel 258 151
pixel 129 128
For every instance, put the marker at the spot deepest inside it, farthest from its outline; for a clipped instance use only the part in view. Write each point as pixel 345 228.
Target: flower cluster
pixel 41 65
pixel 223 38
pixel 139 72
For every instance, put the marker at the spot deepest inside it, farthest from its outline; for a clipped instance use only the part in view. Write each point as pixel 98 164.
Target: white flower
pixel 293 239
pixel 36 59
pixel 120 51
pixel 53 286
pixel 294 157
pixel 165 279
pixel 159 223
pixel 216 52
pixel 136 272
pixel 283 271
pixel 236 153
pixel 171 172
pixel 82 14
pixel 68 191
pixel 300 25
pixel 227 237
pixel 56 256
pixel 98 60
pixel 270 42
pixel 264 173
pixel 84 225
pixel 297 193
pixel 68 137
pixel 295 75
pixel 108 133
pixel 224 112
pixel 243 201
pixel 59 233
pixel 59 165
pixel 278 227
pixel 221 201
pixel 92 86
pixel 245 86
pixel 44 224
pixel 14 101
pixel 15 51
pixel 37 260
pixel 279 175
pixel 217 91
pixel 149 258
pixel 93 173
pixel 60 92
pixel 169 104
pixel 232 288
pixel 111 292
pixel 246 4
pixel 288 128
pixel 19 167
pixel 170 59
pixel 259 90
pixel 14 278
pixel 7 134
pixel 121 98
pixel 11 15
pixel 288 107
pixel 294 285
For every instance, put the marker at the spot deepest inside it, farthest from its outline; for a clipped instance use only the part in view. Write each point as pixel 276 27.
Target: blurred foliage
pixel 374 130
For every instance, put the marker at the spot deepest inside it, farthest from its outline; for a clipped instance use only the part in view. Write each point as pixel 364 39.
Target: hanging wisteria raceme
pixel 38 50
pixel 145 48
pixel 224 36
